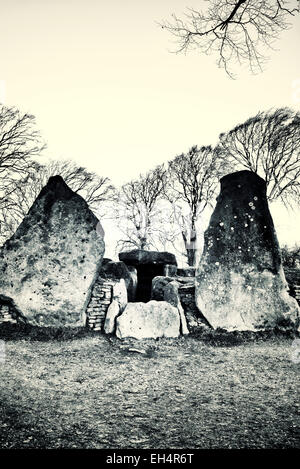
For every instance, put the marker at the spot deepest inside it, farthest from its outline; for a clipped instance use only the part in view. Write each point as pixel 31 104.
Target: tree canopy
pixel 137 208
pixel 193 182
pixel 269 145
pixel 93 188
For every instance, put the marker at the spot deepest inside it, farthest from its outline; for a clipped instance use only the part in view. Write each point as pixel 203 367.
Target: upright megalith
pixel 240 282
pixel 48 267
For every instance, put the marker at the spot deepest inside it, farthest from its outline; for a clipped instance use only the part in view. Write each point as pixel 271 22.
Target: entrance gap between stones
pixel 145 275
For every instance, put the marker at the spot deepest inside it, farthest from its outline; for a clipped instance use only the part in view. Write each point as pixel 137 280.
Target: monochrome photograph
pixel 149 228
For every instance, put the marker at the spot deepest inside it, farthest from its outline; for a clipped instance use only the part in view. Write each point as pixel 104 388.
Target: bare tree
pixel 236 30
pixel 96 190
pixel 19 143
pixel 138 209
pixel 194 178
pixel 269 145
pixel 93 188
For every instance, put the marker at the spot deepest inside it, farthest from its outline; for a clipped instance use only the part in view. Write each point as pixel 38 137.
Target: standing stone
pixel 131 290
pixel 148 320
pixel 120 293
pixel 157 287
pixel 171 295
pixel 159 283
pixel 111 315
pixel 240 281
pixel 48 267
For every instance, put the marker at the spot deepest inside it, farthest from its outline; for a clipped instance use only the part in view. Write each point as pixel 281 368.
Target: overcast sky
pixel 107 93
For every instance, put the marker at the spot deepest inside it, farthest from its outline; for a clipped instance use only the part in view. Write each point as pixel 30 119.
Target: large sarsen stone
pixel 148 320
pixel 49 265
pixel 240 281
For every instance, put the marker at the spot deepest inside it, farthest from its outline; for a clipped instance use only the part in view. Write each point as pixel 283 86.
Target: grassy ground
pixel 82 390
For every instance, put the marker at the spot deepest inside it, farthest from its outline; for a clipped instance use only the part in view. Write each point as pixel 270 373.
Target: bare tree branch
pixel 137 211
pixel 96 190
pixel 269 145
pixel 237 31
pixel 20 142
pixel 194 178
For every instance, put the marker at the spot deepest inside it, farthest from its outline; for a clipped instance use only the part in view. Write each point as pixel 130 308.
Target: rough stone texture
pixel 131 290
pixel 170 270
pixel 194 317
pixel 149 264
pixel 293 279
pixel 139 256
pixel 101 298
pixel 111 315
pixel 159 283
pixel 171 295
pixel 187 272
pixel 105 290
pixel 115 270
pixel 112 283
pixel 9 312
pixel 240 281
pixel 148 320
pixel 50 264
pixel 120 294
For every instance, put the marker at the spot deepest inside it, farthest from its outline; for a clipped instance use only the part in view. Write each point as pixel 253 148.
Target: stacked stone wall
pixel 6 315
pixel 100 300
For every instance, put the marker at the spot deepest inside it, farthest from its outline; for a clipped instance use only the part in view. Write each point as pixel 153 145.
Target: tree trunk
pixel 190 247
pixel 143 244
pixel 191 256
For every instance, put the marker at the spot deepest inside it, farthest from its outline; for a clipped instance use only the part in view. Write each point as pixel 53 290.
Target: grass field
pixel 90 391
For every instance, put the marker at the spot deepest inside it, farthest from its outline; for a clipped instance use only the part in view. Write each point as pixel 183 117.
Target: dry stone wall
pixel 9 312
pixel 104 292
pixel 6 315
pixel 293 279
pixel 100 300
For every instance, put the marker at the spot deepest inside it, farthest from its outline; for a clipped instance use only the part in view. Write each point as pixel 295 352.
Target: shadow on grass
pixel 9 331
pixel 217 337
pixel 223 338
pixel 18 429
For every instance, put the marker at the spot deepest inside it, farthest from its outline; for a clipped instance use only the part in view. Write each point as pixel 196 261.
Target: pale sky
pixel 108 94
